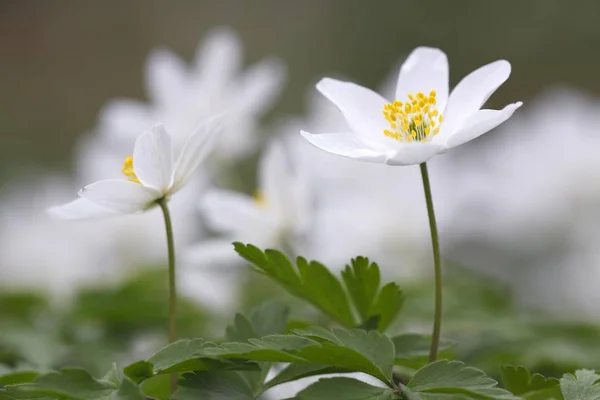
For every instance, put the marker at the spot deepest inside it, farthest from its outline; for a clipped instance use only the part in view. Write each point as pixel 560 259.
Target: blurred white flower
pixel 182 96
pixel 533 204
pixel 423 120
pixel 277 216
pixel 151 172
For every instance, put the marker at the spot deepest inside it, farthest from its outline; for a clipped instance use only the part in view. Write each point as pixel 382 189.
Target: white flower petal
pixel 362 108
pixel 153 159
pixel 124 119
pixel 259 86
pixel 479 123
pixel 196 148
pixel 345 145
pixel 415 153
pixel 229 212
pixel 217 60
pixel 166 77
pixel 212 253
pixel 80 209
pixel 424 70
pixel 472 92
pixel 120 196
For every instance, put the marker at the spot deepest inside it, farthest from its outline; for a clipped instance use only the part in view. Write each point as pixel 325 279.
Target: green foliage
pixel 455 379
pixel 412 349
pixel 521 382
pixel 362 280
pixel 581 386
pixel 211 385
pixel 311 281
pixel 344 389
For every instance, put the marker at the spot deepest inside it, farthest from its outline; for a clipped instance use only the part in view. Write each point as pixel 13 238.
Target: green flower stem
pixel 172 287
pixel 437 266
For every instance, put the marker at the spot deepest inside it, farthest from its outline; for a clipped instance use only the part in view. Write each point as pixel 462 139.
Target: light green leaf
pixel 310 281
pixel 454 378
pixel 158 387
pixel 521 382
pixel 344 389
pixel 389 303
pixel 298 371
pixel 213 385
pixel 581 386
pixel 112 375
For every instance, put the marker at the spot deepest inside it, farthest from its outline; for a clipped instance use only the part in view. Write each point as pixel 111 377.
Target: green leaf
pixel 581 386
pixel 310 281
pixel 298 371
pixel 344 389
pixel 158 387
pixel 521 382
pixel 412 349
pixel 362 280
pixel 69 384
pixel 15 377
pixel 355 350
pixel 213 385
pixel 182 356
pixel 454 378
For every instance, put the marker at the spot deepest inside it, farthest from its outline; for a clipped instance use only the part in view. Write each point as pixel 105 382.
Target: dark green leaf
pixel 362 280
pixel 454 378
pixel 388 305
pixel 14 377
pixel 412 349
pixel 581 386
pixel 213 385
pixel 310 281
pixel 355 350
pixel 298 371
pixel 344 389
pixel 521 382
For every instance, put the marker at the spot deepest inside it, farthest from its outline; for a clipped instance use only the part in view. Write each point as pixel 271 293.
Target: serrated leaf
pixel 412 349
pixel 182 356
pixel 454 378
pixel 521 382
pixel 213 385
pixel 310 281
pixel 389 303
pixel 581 386
pixel 344 389
pixel 355 350
pixel 362 280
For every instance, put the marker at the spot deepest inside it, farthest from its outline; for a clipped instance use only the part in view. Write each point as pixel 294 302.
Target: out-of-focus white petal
pixel 362 108
pixel 259 86
pixel 80 209
pixel 124 119
pixel 153 159
pixel 166 77
pixel 424 70
pixel 196 148
pixel 415 153
pixel 345 145
pixel 120 196
pixel 479 123
pixel 217 60
pixel 472 92
pixel 227 211
pixel 211 253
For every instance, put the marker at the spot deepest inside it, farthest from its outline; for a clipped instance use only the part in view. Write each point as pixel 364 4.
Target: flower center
pixel 415 120
pixel 259 198
pixel 128 170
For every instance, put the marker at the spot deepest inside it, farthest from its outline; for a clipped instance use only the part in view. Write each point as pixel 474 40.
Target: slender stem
pixel 437 266
pixel 172 287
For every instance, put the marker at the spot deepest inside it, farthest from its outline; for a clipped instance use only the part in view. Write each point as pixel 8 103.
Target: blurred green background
pixel 61 61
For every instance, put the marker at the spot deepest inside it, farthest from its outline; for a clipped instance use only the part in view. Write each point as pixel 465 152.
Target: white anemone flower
pixel 181 95
pixel 151 174
pixel 276 216
pixel 423 120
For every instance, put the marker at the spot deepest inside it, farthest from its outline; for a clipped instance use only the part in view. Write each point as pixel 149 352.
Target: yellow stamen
pixel 128 170
pixel 259 198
